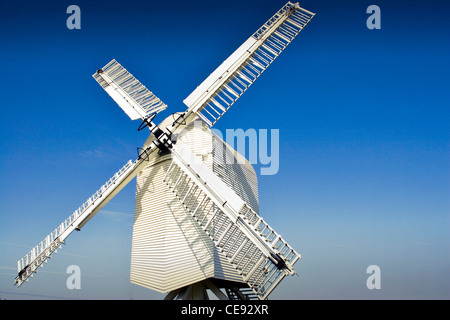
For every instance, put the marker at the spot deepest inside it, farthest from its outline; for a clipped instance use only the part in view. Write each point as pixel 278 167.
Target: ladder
pixel 254 249
pixel 234 293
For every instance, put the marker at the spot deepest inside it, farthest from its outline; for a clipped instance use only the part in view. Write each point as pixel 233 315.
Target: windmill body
pixel 169 249
pixel 197 224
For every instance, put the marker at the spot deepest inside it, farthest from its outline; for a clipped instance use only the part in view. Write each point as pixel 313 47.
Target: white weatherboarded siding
pixel 169 249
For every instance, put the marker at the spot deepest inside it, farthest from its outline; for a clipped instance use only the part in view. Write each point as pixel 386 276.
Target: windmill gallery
pixel 197 225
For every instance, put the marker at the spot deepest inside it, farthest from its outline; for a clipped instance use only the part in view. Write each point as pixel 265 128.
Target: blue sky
pixel 362 115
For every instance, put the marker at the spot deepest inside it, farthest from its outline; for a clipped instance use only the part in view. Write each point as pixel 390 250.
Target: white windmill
pixel 196 223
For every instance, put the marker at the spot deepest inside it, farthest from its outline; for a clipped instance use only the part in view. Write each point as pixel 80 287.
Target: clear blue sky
pixel 363 117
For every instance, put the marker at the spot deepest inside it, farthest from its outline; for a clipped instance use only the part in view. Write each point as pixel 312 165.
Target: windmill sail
pixel 131 95
pixel 29 264
pixel 215 95
pixel 256 251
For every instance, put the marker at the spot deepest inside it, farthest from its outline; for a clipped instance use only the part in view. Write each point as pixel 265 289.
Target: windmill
pixel 197 224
